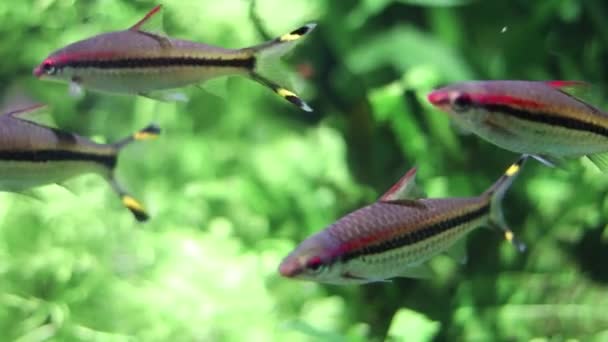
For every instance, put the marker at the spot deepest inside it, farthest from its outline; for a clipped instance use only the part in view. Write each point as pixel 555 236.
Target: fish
pixel 33 155
pixel 143 60
pixel 540 118
pixel 398 234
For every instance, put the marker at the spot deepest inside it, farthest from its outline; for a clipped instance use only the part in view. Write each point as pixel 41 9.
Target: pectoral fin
pixel 460 127
pixel 75 89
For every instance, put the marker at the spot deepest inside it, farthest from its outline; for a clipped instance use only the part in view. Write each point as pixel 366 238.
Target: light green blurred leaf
pixel 409 325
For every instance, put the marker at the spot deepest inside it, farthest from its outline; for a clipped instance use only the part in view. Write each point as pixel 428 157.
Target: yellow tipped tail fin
pixel 267 66
pixel 149 132
pixel 136 208
pixel 496 193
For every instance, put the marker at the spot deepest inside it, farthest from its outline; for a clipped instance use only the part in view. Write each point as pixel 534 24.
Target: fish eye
pixel 461 102
pixel 48 68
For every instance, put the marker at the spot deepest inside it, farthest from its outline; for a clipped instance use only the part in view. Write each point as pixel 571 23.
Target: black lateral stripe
pixel 419 234
pixel 133 63
pixel 42 156
pixel 549 119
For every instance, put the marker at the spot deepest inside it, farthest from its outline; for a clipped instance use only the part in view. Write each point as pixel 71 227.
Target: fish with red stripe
pixel 538 118
pixel 142 60
pixel 395 236
pixel 33 155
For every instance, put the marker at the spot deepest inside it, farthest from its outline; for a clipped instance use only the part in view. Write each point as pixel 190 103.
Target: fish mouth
pixel 38 73
pixel 438 98
pixel 290 268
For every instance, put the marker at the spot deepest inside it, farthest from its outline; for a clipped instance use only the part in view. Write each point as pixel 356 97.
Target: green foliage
pixel 234 184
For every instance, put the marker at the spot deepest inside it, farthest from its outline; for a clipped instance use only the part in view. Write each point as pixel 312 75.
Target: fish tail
pixel 496 194
pixel 267 66
pixel 135 207
pixel 152 131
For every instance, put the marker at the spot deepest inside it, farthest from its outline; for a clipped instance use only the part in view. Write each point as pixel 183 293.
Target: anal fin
pixel 458 251
pixel 548 160
pixel 422 271
pixel 600 160
pixel 166 96
pixel 351 276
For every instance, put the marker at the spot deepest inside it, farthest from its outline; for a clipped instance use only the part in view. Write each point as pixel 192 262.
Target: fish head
pixel 67 63
pixel 463 101
pixel 312 260
pixel 46 69
pixel 53 68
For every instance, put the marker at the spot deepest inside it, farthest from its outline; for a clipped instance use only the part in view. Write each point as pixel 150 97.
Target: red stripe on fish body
pixel 383 240
pixel 382 227
pixel 526 117
pixel 133 62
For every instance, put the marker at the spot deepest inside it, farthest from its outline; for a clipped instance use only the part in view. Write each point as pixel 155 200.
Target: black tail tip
pixel 140 216
pixel 304 30
pixel 300 103
pixel 297 33
pixel 152 128
pixel 517 243
pixel 149 132
pixel 294 99
pixel 135 208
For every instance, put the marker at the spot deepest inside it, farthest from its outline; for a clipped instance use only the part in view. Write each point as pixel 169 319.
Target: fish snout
pixel 38 72
pixel 439 98
pixel 290 267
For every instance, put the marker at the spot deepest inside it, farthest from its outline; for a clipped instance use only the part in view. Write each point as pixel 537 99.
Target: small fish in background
pixel 531 117
pixel 142 60
pixel 33 155
pixel 395 236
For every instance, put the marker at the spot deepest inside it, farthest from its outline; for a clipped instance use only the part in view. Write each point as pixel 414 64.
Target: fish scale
pixel 142 60
pixel 33 155
pixel 396 235
pixel 530 117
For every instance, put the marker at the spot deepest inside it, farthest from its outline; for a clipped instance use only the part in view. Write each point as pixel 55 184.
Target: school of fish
pixel 394 237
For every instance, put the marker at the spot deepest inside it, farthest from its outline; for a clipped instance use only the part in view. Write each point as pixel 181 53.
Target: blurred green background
pixel 235 183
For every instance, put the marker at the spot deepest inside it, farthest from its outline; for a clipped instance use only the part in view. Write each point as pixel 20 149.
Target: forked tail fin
pixel 137 209
pixel 267 66
pixel 496 193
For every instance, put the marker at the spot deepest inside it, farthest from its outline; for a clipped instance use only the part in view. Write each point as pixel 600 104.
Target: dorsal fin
pixel 26 110
pixel 33 114
pixel 577 90
pixel 567 84
pixel 152 25
pixel 405 188
pixel 574 89
pixel 149 19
